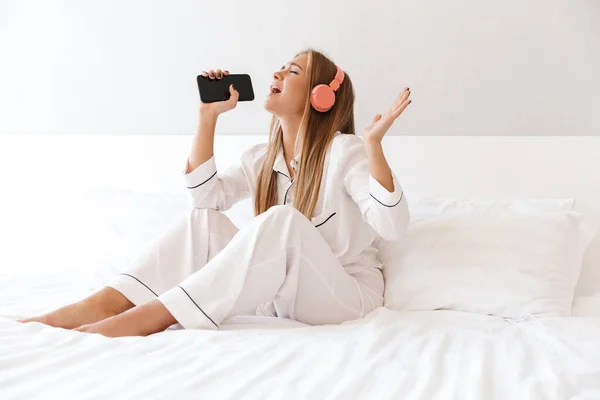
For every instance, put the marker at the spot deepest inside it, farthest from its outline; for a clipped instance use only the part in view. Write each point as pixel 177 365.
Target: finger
pixel 211 74
pixel 219 74
pixel 396 113
pixel 402 106
pixel 226 72
pixel 397 102
pixel 204 74
pixel 233 99
pixel 402 96
pixel 376 118
pixel 406 93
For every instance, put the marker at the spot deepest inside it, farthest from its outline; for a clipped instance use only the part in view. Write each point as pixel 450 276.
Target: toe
pixel 30 319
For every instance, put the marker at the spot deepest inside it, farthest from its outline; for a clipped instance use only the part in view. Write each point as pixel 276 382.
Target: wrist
pixel 373 144
pixel 207 123
pixel 208 114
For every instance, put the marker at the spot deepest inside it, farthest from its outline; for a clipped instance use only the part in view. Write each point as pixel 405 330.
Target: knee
pixel 279 217
pixel 283 211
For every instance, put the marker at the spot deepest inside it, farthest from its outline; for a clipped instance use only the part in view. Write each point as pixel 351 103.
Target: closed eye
pixel 291 71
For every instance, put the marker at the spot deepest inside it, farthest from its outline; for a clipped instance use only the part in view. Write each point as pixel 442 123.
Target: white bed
pixel 75 209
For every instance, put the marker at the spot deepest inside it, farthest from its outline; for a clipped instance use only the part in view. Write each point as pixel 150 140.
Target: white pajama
pixel 276 266
pixel 318 271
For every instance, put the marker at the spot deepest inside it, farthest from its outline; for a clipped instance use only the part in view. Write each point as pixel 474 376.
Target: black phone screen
pixel 212 90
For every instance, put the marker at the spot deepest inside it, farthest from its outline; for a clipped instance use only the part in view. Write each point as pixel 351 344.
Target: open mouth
pixel 275 90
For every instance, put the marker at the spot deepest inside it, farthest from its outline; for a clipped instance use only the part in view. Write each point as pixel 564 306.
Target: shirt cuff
pixel 382 195
pixel 201 174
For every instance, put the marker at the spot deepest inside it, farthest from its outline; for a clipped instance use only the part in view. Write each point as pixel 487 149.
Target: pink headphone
pixel 322 97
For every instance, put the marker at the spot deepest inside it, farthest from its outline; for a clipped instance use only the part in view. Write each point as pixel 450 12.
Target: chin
pixel 267 106
pixel 270 107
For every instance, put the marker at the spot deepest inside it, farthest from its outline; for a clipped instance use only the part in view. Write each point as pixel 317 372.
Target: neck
pixel 289 126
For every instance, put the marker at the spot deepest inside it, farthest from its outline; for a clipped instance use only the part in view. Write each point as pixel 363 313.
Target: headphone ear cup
pixel 322 97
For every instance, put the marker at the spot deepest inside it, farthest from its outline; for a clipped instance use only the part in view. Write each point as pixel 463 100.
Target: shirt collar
pixel 281 166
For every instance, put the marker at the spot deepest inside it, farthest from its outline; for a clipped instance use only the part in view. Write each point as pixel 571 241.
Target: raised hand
pixel 375 132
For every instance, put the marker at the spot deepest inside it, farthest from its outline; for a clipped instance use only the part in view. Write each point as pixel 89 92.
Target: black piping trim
pixel 316 226
pixel 286 193
pixel 140 282
pixel 192 187
pixel 283 174
pixel 401 195
pixel 197 306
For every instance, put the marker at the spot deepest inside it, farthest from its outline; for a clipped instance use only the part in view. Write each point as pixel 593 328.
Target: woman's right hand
pixel 219 107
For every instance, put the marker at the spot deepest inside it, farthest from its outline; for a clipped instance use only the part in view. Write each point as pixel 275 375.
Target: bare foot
pixel 73 315
pixel 104 304
pixel 143 320
pixel 112 327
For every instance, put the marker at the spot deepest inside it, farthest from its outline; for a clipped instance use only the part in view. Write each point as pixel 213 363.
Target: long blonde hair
pixel 315 134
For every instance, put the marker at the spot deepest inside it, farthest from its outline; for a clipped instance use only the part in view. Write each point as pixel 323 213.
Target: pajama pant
pixel 204 270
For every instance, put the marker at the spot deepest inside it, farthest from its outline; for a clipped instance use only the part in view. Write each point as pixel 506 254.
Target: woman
pixel 322 196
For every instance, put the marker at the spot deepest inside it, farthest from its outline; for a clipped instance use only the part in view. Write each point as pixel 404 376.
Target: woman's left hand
pixel 381 123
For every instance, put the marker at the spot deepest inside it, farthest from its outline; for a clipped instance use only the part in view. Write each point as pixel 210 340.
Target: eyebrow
pixel 293 63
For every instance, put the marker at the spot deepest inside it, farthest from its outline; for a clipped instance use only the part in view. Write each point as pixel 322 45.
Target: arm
pixel 369 179
pixel 206 187
pixel 209 188
pixel 379 167
pixel 365 171
pixel 203 143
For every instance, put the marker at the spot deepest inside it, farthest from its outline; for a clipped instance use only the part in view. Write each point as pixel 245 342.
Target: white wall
pixel 510 67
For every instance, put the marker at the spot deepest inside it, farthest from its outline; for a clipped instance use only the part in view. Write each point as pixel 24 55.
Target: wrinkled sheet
pixel 387 355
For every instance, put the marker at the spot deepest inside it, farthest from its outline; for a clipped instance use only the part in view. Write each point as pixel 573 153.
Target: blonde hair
pixel 315 134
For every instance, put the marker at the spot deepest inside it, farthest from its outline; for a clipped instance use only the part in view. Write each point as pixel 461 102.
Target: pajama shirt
pixel 322 270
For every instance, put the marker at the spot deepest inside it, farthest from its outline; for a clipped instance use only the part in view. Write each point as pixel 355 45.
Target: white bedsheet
pixel 388 355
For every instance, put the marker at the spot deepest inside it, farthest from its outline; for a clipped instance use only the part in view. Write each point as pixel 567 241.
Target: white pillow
pixel 437 207
pixel 430 208
pixel 507 265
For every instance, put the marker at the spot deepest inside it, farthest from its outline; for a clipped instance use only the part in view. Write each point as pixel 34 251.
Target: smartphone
pixel 212 90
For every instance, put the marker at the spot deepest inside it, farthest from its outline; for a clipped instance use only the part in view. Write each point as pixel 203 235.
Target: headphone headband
pixel 338 79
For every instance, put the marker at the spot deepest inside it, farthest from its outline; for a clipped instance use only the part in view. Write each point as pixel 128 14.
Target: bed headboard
pixel 493 167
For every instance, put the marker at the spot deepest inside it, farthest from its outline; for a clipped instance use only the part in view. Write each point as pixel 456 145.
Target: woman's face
pixel 287 93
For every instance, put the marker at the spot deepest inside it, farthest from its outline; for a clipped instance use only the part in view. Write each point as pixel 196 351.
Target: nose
pixel 277 75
